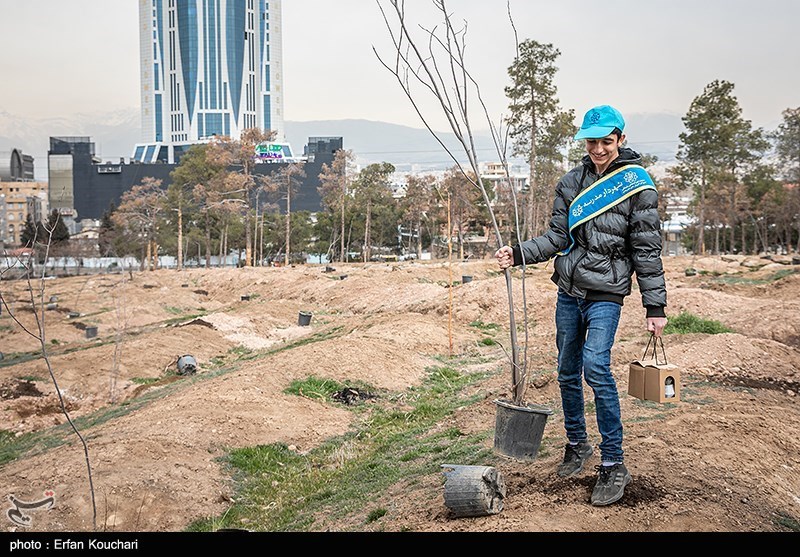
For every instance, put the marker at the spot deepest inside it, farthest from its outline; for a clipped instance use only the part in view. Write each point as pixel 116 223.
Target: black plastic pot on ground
pixel 187 365
pixel 304 318
pixel 519 429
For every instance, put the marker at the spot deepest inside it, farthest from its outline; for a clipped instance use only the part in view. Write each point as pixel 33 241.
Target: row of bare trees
pixel 219 204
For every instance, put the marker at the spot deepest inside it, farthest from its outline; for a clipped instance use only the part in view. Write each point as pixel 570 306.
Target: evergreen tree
pixel 540 130
pixel 195 169
pixel 106 234
pixel 56 231
pixel 29 233
pixel 718 142
pixel 787 144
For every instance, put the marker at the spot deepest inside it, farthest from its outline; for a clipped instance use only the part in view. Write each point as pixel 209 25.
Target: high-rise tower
pixel 208 67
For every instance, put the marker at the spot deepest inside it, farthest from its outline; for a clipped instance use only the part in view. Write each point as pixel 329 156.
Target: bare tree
pixel 439 69
pixel 284 183
pixel 40 334
pixel 417 203
pixel 138 213
pixel 336 181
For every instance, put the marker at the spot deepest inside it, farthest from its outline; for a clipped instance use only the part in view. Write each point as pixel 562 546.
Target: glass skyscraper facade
pixel 208 67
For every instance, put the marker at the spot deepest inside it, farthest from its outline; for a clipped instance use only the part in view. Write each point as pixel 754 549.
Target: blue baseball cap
pixel 599 122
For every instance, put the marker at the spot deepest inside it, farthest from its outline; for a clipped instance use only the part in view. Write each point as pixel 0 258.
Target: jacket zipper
pixel 613 269
pixel 574 268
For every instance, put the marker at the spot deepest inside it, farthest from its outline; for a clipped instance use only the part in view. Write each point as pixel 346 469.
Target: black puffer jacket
pixel 609 248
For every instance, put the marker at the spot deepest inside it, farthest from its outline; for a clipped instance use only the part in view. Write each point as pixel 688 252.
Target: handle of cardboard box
pixel 656 342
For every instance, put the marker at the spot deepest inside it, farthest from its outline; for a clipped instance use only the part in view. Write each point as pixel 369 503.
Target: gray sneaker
pixel 574 458
pixel 610 486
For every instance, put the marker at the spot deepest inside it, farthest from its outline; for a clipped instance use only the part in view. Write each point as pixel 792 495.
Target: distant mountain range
pixel 409 149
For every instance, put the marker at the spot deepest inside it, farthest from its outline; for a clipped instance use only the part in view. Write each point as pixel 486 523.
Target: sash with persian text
pixel 604 194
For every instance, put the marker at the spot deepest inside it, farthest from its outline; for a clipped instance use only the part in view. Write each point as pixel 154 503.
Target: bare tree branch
pixel 452 90
pixel 41 337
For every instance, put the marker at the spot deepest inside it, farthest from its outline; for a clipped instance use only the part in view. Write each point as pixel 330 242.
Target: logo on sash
pixel 604 194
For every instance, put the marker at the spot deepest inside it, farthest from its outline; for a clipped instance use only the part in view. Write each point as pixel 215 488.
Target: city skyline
pixel 654 58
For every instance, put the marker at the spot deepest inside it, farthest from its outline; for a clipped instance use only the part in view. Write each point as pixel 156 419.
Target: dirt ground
pixel 726 458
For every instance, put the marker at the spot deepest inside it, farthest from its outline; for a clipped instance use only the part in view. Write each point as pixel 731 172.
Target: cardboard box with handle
pixel 652 377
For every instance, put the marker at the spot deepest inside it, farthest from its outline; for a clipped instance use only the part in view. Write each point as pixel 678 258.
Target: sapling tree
pixel 39 332
pixel 431 63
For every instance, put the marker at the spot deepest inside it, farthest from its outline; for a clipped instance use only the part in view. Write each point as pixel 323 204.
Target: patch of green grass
pixel 488 341
pixel 173 310
pixel 6 437
pixel 314 388
pixel 182 318
pixel 376 514
pixel 145 380
pixel 320 336
pixel 485 326
pixel 4 328
pixel 787 521
pixel 686 323
pixel 281 490
pixel 30 378
pixel 783 273
pixel 217 361
pixel 10 359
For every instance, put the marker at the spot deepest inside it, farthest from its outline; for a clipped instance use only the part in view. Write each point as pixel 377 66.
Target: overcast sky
pixel 76 56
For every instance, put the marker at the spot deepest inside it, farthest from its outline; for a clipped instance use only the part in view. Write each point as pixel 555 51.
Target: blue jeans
pixel 584 335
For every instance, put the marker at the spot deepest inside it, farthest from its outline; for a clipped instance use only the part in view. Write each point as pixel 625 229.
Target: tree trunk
pixel 261 242
pixel 221 246
pixel 450 277
pixel 208 241
pixel 255 232
pixel 288 218
pixel 744 238
pixel 349 241
pixel 419 239
pixel 701 242
pixel 343 256
pixel 366 231
pixel 248 241
pixel 149 263
pixel 180 236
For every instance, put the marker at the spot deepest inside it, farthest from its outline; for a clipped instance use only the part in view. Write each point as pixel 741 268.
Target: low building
pixel 20 196
pixel 84 187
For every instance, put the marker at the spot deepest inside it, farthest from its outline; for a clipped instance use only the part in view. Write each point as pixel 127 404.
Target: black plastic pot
pixel 473 490
pixel 304 318
pixel 519 429
pixel 187 365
